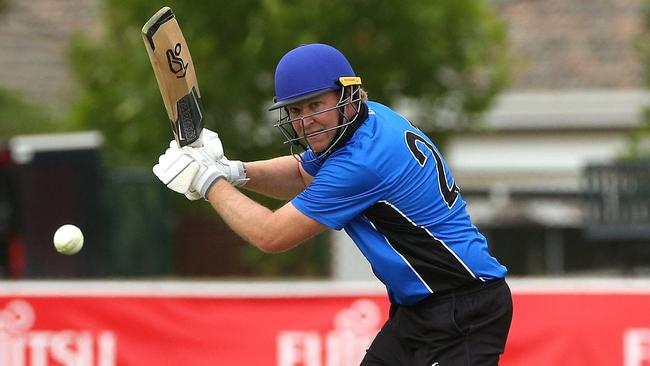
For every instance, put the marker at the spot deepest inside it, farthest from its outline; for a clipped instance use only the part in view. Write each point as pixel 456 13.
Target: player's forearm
pixel 278 178
pixel 250 220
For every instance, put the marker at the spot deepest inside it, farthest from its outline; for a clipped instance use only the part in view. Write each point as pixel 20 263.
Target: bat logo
pixel 175 63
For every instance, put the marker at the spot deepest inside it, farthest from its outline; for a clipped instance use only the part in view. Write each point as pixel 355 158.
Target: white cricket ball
pixel 68 239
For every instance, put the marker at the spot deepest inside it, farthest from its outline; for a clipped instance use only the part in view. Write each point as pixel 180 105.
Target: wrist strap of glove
pixel 237 175
pixel 209 181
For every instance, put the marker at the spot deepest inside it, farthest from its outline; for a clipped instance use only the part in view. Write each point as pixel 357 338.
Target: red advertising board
pixel 295 324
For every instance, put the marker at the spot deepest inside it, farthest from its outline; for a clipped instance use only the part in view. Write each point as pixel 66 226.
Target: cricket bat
pixel 174 70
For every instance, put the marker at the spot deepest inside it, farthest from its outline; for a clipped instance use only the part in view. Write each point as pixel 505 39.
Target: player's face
pixel 316 119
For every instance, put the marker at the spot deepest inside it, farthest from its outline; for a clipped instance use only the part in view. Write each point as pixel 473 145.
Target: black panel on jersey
pixel 439 268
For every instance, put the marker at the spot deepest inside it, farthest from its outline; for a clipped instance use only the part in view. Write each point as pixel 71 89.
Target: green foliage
pixel 638 143
pixel 310 259
pixel 19 116
pixel 441 54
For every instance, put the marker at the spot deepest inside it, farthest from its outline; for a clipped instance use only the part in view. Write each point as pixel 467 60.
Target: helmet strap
pixel 344 134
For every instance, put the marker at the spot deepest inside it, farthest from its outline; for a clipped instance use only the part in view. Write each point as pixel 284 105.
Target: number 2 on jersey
pixel 449 194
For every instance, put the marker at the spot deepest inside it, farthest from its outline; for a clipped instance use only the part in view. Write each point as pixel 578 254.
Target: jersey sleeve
pixel 310 163
pixel 340 191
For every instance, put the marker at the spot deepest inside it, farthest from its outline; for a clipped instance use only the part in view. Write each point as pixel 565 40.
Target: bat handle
pixel 197 143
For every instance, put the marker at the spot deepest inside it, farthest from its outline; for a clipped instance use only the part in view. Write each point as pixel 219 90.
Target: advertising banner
pixel 288 324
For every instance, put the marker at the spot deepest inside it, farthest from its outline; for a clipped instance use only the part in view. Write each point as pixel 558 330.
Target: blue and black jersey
pixel 394 195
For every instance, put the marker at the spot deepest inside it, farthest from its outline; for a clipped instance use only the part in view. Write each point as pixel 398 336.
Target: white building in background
pixel 541 143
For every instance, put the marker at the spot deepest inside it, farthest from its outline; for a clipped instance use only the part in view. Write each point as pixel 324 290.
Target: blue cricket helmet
pixel 310 70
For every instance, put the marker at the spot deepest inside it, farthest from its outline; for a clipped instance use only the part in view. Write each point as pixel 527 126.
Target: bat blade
pixel 172 64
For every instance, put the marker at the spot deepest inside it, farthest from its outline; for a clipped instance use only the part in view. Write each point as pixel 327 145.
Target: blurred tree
pixel 639 139
pixel 20 116
pixel 449 57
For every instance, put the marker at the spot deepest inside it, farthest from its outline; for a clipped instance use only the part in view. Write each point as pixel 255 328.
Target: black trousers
pixel 468 327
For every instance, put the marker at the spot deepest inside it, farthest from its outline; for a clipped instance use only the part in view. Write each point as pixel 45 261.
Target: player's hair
pixel 363 94
pixel 360 94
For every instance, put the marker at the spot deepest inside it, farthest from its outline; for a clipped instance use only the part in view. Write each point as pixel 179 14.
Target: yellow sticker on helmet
pixel 350 80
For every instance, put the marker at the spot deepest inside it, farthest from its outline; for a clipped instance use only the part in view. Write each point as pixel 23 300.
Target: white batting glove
pixel 189 171
pixel 165 171
pixel 212 145
pixel 235 175
pixel 213 148
pixel 176 169
pixel 235 172
pixel 210 152
pixel 192 196
pixel 209 172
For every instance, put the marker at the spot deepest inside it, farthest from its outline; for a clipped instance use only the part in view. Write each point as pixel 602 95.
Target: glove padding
pixel 176 169
pixel 192 195
pixel 212 146
pixel 209 171
pixel 235 175
pixel 183 171
pixel 235 171
pixel 188 171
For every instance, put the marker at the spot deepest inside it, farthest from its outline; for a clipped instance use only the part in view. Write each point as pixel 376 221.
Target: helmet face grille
pixel 349 96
